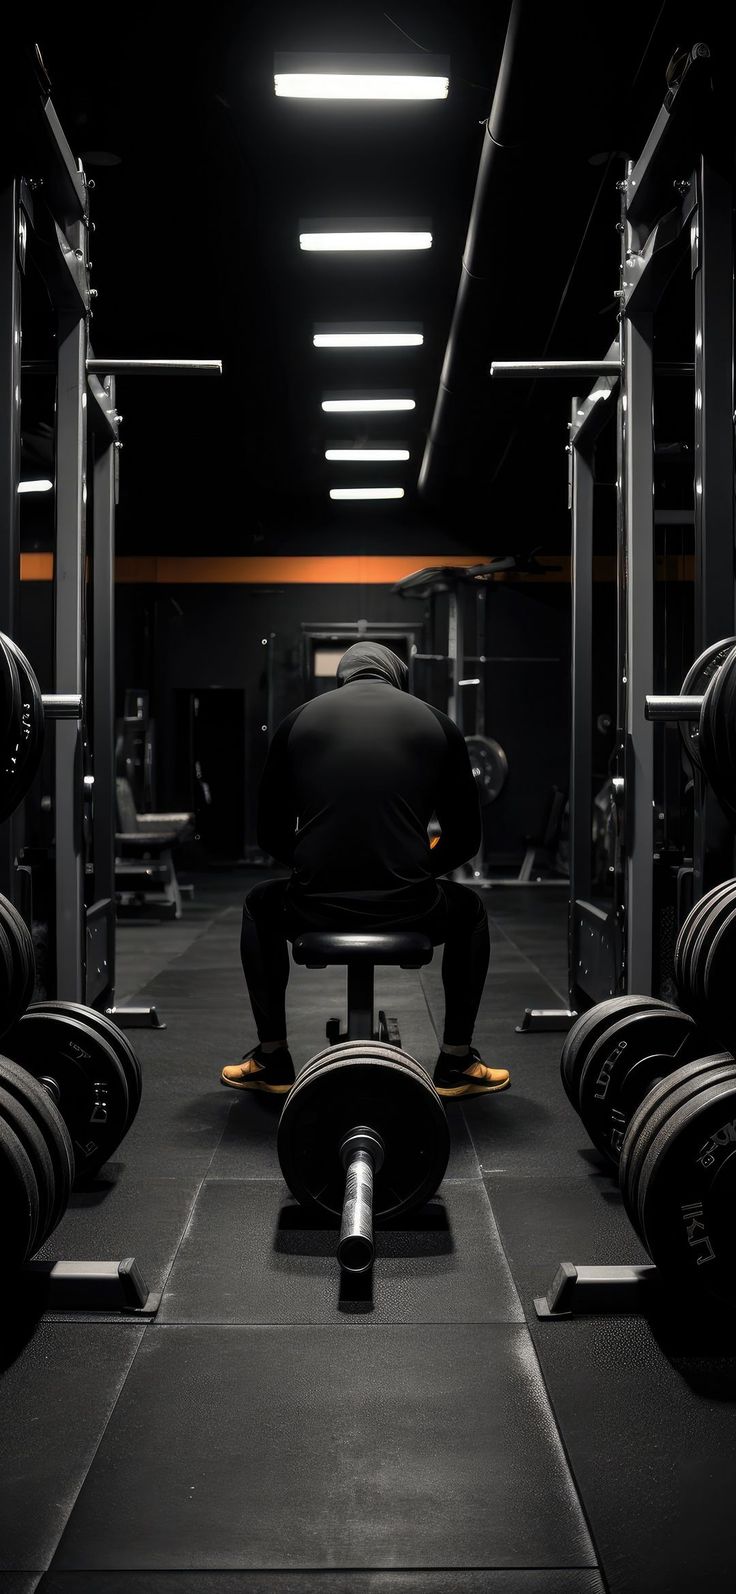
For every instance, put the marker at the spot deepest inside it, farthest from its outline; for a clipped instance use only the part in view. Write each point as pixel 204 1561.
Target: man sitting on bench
pixel 351 781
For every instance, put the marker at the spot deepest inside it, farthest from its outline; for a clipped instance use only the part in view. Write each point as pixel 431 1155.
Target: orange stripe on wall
pixel 317 569
pixel 36 567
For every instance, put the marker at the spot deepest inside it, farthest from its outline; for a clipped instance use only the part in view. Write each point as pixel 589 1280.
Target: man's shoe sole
pixel 471 1089
pixel 258 1084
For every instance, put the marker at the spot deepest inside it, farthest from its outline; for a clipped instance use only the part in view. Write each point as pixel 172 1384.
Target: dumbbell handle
pixel 361 1154
pixel 672 708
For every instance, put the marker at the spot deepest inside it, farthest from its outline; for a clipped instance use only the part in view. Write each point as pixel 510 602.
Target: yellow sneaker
pixel 273 1073
pixel 468 1076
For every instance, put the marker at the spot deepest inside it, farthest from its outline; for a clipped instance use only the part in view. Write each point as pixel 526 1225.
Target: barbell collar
pixel 672 708
pixel 62 705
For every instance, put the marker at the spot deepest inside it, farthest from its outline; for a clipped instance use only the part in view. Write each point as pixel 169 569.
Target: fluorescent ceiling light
pixel 367 340
pixel 41 486
pixel 361 77
pixel 357 86
pixel 364 454
pixel 364 240
pixel 366 492
pixel 366 404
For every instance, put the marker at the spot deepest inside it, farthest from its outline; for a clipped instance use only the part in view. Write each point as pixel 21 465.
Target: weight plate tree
pixel 363 1135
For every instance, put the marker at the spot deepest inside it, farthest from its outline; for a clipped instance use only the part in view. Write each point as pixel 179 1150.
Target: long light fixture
pixel 42 485
pixel 364 455
pixel 366 492
pixel 367 405
pixel 361 77
pixel 367 340
pixel 365 240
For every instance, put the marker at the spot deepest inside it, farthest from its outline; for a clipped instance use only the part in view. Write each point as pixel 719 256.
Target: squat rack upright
pixel 47 215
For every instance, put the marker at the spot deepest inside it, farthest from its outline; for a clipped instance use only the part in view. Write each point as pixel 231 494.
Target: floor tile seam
pixel 323 1572
pixel 518 1324
pixel 172 962
pixel 551 1405
pixel 118 1396
pixel 530 961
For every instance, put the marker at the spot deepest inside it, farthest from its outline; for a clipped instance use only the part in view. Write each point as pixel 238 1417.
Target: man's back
pixel 352 780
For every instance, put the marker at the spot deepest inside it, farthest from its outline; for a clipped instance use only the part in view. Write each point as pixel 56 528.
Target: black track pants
pixel 459 920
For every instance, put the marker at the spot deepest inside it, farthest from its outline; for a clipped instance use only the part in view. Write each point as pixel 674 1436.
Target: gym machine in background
pixel 461 672
pixel 662 541
pixel 45 222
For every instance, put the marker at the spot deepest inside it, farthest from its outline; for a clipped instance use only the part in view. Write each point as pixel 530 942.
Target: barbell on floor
pixel 363 1136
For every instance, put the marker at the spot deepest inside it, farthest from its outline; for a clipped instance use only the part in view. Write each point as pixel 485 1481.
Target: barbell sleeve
pixel 355 1246
pixel 672 708
pixel 62 705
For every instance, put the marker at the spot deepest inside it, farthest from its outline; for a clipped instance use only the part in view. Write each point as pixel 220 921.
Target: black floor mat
pixel 55 1398
pixel 319 1448
pixel 253 1256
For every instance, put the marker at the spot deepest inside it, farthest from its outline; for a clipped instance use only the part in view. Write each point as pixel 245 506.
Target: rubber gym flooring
pixel 266 1433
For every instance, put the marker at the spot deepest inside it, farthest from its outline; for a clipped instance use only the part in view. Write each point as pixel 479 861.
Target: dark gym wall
pixel 209 636
pixel 199 636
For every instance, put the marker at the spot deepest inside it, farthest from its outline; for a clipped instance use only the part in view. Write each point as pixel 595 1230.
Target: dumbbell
pixel 363 1136
pixel 706 712
pixel 661 1105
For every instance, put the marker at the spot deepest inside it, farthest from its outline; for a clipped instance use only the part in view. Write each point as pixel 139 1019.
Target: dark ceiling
pixel 196 254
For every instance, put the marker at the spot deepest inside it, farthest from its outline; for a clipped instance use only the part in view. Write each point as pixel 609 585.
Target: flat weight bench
pixel 319 949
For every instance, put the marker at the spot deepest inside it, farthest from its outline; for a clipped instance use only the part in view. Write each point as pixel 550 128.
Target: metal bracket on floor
pixel 136 1017
pixel 546 1018
pixel 93 1287
pixel 575 1290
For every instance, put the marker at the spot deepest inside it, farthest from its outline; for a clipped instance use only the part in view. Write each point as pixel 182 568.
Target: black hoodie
pixel 351 781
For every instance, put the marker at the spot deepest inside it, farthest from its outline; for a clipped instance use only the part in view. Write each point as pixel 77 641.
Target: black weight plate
pixel 688 933
pixel 27 730
pixel 586 1030
pixel 9 691
pixel 388 1097
pixel 10 699
pixel 358 1048
pixel 713 733
pixel 18 1199
pixel 724 784
pixel 490 767
pixel 621 1067
pixel 84 1070
pixel 695 684
pixel 24 959
pixel 718 982
pixel 709 925
pixel 687 1193
pixel 14 1113
pixel 657 1107
pixel 8 1013
pixel 18 1082
pixel 110 1031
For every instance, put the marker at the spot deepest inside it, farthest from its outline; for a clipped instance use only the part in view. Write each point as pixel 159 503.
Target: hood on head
pixel 371 661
